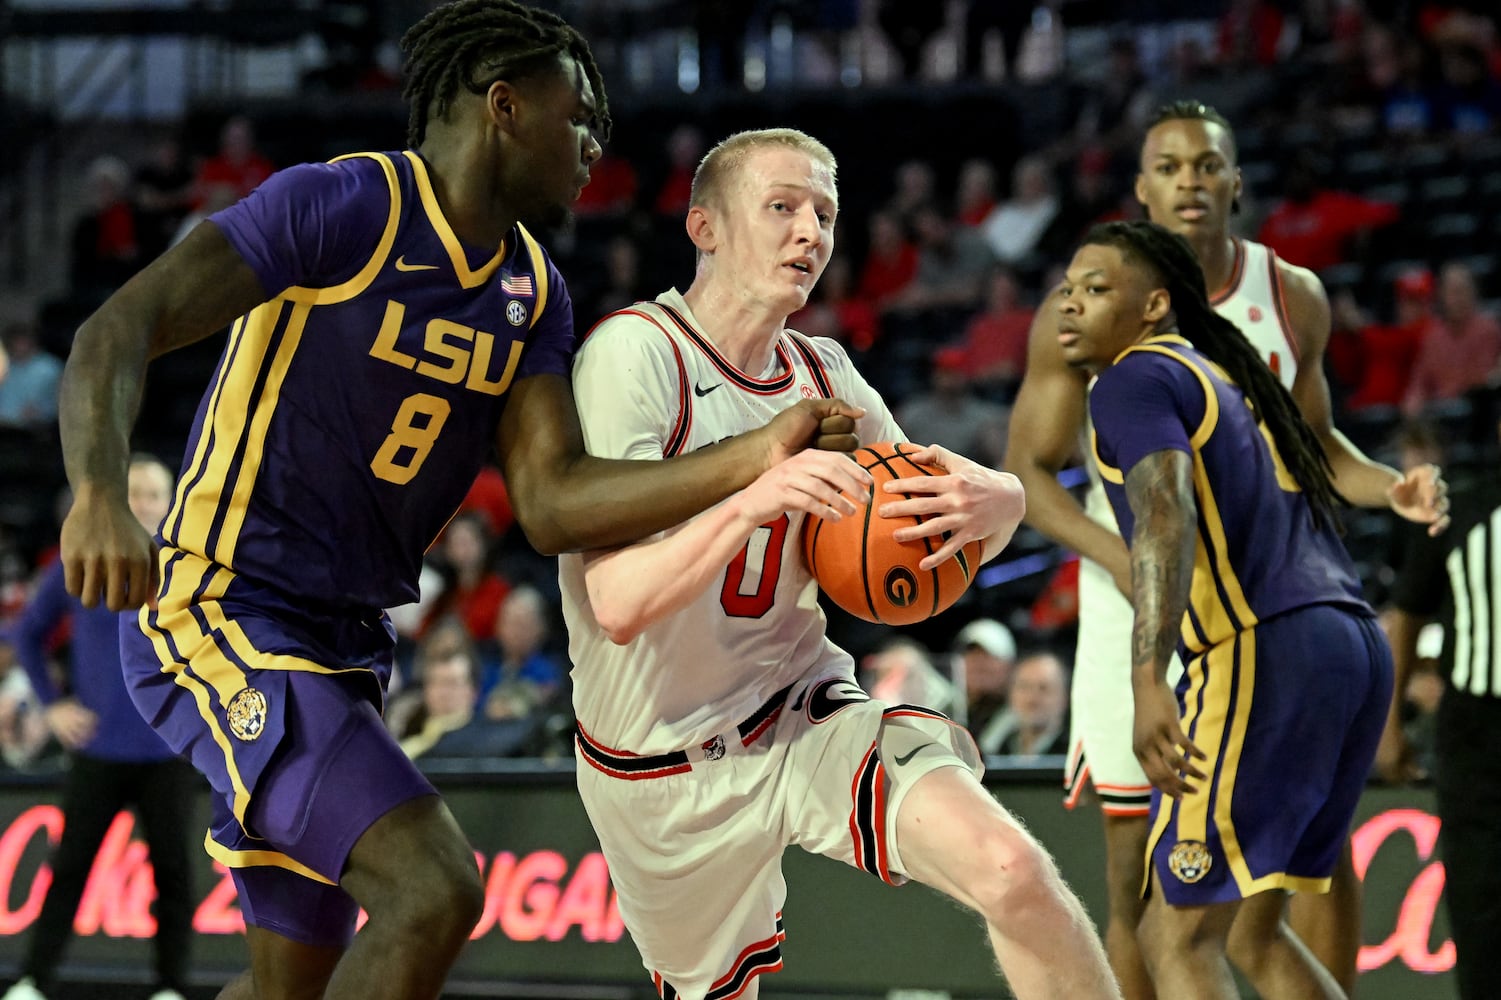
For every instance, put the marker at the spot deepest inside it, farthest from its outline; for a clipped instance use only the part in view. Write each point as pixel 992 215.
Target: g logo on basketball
pixel 1190 861
pixel 247 714
pixel 515 312
pixel 900 586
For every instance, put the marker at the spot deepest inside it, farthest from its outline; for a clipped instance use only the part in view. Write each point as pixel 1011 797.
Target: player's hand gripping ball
pixel 872 575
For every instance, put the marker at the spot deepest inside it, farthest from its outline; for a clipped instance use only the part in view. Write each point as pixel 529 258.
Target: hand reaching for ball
pixel 969 503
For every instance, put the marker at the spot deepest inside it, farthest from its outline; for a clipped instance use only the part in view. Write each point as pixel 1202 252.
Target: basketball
pixel 866 571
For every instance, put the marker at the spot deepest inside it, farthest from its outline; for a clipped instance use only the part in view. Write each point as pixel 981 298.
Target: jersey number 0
pixel 750 582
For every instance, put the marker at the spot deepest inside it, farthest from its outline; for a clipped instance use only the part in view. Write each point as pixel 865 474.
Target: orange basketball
pixel 870 574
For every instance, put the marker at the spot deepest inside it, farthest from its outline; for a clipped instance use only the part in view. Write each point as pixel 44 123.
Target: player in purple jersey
pixel 1205 457
pixel 397 323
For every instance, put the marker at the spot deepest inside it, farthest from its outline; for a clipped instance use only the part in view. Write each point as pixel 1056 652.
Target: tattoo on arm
pixel 1160 491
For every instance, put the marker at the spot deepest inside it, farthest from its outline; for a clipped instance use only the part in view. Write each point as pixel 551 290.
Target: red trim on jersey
pixel 1237 272
pixel 631 766
pixel 761 387
pixel 815 364
pixel 756 959
pixel 679 436
pixel 1279 299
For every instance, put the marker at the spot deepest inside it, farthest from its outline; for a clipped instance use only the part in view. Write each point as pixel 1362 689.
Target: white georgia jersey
pixel 1252 300
pixel 650 385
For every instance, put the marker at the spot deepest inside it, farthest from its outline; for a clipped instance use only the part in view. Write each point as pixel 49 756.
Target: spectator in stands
pixel 521 674
pixel 1313 225
pixel 995 341
pixel 837 311
pixel 1038 705
pixel 106 239
pixel 1112 110
pixel 685 147
pixel 953 262
pixel 1016 225
pixel 611 191
pixel 237 165
pixel 474 591
pixel 890 260
pixel 901 672
pixel 623 282
pixel 1374 361
pixel 984 653
pixel 1395 65
pixel 1091 197
pixel 721 26
pixel 951 415
pixel 1250 34
pixel 1467 100
pixel 449 695
pixel 914 192
pixel 1461 350
pixel 163 195
pixel 975 192
pixel 28 393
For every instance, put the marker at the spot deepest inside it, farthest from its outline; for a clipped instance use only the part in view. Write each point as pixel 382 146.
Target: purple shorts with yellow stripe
pixel 278 705
pixel 1289 712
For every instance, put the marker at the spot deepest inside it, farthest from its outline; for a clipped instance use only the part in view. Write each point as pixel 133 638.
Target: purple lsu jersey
pixel 351 412
pixel 1259 552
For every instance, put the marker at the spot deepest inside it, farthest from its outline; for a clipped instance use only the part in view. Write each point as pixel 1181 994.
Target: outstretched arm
pixel 191 291
pixel 567 500
pixel 1159 488
pixel 1419 495
pixel 969 503
pixel 1045 426
pixel 632 588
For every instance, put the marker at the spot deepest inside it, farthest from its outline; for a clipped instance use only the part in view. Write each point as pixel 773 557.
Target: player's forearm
pixel 634 587
pixel 1052 510
pixel 1361 480
pixel 98 398
pixel 1162 558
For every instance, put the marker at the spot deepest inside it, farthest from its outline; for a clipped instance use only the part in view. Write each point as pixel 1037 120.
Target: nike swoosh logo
pixel 901 760
pixel 402 265
pixel 699 390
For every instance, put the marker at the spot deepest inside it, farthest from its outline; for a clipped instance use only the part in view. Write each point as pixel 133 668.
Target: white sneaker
pixel 24 990
pixel 158 995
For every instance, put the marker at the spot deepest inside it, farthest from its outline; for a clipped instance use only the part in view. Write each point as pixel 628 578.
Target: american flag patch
pixel 517 284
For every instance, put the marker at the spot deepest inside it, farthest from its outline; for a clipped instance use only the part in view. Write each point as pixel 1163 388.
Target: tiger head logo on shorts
pixel 1190 860
pixel 247 714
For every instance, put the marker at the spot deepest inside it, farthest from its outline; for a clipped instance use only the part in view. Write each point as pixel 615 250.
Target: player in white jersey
pixel 717 725
pixel 1188 183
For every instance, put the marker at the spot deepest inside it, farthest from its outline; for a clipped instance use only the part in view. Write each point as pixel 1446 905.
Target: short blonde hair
pixel 722 163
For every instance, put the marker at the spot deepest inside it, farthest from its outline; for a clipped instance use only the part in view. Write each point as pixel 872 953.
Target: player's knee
pixel 1015 877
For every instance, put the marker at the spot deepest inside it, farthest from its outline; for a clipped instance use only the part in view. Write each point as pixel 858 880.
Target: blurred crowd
pixel 1370 145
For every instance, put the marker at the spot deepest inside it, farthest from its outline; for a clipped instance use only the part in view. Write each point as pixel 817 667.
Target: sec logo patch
pixel 1190 861
pixel 515 312
pixel 247 714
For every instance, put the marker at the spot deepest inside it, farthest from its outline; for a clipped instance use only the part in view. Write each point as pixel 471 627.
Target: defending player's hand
pixel 971 502
pixel 1422 496
pixel 825 424
pixel 820 483
pixel 1165 752
pixel 106 554
pixel 72 724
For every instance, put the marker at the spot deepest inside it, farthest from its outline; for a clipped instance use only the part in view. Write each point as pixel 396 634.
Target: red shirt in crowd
pixel 1312 234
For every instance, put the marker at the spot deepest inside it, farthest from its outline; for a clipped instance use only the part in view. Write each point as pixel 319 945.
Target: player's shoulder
pixel 828 350
pixel 641 327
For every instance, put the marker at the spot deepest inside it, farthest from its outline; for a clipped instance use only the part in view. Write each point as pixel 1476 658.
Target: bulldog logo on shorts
pixel 714 749
pixel 247 714
pixel 1190 860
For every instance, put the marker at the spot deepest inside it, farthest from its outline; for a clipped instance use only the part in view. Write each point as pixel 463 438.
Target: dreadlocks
pixel 1192 111
pixel 1221 341
pixel 473 43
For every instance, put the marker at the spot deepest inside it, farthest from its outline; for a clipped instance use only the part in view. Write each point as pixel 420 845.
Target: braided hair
pixel 1194 111
pixel 1221 341
pixel 473 43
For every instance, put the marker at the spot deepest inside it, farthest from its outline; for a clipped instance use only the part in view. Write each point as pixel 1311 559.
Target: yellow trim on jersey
pixel 539 269
pixel 1168 807
pixel 1209 514
pixel 1108 472
pixel 245 649
pixel 224 421
pixel 236 336
pixel 357 284
pixel 260 425
pixel 450 240
pixel 257 859
pixel 1214 673
pixel 173 616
